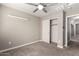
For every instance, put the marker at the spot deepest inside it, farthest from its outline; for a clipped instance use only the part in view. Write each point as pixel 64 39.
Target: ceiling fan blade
pixel 44 10
pixel 53 4
pixel 43 4
pixel 32 4
pixel 35 10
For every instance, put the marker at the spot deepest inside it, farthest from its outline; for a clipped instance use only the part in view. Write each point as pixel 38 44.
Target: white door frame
pixel 66 40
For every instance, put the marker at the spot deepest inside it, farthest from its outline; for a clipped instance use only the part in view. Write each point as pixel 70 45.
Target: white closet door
pixel 46 31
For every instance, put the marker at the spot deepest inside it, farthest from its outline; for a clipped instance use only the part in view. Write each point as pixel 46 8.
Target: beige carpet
pixel 43 49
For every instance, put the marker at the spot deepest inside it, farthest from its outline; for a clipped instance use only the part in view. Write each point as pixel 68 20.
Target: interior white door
pixel 46 31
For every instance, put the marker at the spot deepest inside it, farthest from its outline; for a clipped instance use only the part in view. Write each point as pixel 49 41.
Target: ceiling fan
pixel 43 6
pixel 40 6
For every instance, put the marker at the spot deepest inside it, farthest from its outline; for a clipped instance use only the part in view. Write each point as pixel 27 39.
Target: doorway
pixel 72 30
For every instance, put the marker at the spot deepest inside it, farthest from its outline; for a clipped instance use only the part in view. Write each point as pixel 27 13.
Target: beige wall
pixel 72 12
pixel 17 31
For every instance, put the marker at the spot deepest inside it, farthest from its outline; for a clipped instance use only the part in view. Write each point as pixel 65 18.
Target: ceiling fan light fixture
pixel 40 7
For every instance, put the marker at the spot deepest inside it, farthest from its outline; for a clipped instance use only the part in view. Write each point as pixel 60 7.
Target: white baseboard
pixel 19 46
pixel 59 46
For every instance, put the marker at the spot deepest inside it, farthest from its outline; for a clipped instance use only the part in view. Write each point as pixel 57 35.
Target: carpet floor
pixel 43 49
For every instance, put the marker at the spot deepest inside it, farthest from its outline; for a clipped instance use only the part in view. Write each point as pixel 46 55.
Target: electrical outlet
pixel 10 42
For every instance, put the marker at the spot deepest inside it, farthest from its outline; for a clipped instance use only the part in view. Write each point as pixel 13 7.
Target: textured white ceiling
pixel 29 8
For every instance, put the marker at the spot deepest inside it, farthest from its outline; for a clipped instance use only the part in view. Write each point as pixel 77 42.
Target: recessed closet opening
pixel 53 30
